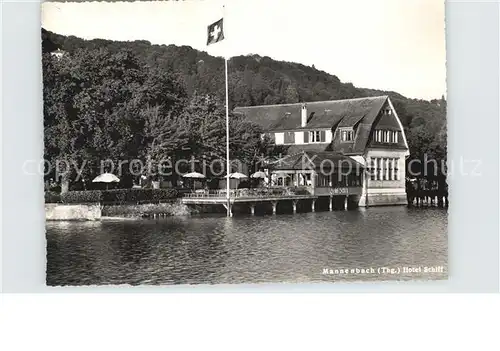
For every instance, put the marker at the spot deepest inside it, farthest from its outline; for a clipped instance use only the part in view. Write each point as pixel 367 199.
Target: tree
pixel 164 137
pixel 98 106
pixel 291 95
pixel 205 120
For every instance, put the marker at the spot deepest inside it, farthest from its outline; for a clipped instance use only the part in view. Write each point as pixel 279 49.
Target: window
pixel 323 180
pixel 386 136
pixel 396 170
pixel 379 168
pixel 372 169
pixel 354 179
pixel 308 179
pixel 384 168
pixel 346 135
pixel 391 169
pixel 289 138
pixel 344 180
pixel 317 136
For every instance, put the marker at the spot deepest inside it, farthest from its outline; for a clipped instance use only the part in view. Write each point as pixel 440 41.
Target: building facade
pixel 365 130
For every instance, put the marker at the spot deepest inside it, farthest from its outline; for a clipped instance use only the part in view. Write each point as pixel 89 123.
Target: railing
pixel 138 202
pixel 250 193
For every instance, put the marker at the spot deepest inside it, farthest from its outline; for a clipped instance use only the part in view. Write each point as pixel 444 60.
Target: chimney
pixel 303 115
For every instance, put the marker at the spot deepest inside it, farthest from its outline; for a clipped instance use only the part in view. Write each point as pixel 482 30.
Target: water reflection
pixel 216 249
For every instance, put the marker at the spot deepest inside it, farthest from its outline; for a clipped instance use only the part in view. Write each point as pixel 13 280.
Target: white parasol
pixel 106 178
pixel 194 175
pixel 259 174
pixel 236 175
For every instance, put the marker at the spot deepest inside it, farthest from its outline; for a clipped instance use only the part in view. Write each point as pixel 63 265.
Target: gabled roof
pixel 321 114
pixel 267 115
pixel 361 113
pixel 350 121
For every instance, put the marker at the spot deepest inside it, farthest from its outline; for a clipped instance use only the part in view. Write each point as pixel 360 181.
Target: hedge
pixel 300 191
pixel 81 196
pixel 52 197
pixel 124 196
pixel 120 196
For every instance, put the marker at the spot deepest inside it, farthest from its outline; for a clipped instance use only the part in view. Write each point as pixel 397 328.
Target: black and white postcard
pixel 244 142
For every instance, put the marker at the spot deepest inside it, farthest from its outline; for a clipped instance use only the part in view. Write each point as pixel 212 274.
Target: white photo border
pixel 473 126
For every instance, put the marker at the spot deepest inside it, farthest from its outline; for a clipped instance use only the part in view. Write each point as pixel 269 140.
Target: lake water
pixel 283 248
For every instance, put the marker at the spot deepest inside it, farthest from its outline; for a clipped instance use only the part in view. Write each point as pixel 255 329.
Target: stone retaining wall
pixel 72 212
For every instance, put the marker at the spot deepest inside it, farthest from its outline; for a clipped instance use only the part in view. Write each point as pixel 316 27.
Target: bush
pixel 120 196
pixel 145 210
pixel 84 196
pixel 124 196
pixel 300 191
pixel 277 191
pixel 52 197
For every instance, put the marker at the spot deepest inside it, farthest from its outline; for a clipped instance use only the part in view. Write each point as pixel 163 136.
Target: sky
pixel 396 45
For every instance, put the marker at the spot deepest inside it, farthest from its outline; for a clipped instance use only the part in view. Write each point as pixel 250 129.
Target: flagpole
pixel 228 170
pixel 229 212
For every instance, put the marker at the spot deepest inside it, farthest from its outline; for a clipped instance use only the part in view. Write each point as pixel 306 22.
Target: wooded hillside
pixel 256 80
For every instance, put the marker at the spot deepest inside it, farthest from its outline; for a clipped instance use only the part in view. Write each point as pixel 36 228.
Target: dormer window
pixel 346 135
pixel 317 136
pixel 289 138
pixel 386 136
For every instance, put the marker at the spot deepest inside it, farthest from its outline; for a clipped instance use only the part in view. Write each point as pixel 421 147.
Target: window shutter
pixel 292 137
pixel 323 136
pixel 306 137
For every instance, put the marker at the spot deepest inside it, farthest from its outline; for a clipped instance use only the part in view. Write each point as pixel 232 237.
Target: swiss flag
pixel 215 32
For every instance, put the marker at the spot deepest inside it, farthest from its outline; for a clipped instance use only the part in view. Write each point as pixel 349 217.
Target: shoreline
pixel 134 212
pixel 97 211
